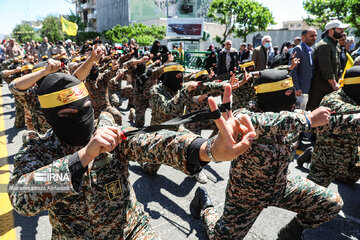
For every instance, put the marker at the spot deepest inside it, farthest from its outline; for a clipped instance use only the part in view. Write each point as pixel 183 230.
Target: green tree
pixel 203 9
pixel 241 17
pixel 144 35
pixel 23 33
pixel 322 11
pixel 52 29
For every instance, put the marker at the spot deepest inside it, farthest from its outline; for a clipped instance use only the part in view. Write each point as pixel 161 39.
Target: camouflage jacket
pixel 210 88
pixel 244 94
pixel 99 91
pixel 142 92
pixel 8 79
pixel 29 99
pixel 166 104
pixel 260 173
pixel 336 145
pixel 104 205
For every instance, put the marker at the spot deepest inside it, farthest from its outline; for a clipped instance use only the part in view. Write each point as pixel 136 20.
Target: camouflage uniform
pixel 99 95
pixel 244 94
pixel 336 153
pixel 115 92
pixel 166 104
pixel 258 179
pixel 19 108
pixel 29 99
pixel 103 205
pixel 142 94
pixel 210 88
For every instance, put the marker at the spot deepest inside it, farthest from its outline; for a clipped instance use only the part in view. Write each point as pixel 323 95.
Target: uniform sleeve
pixel 340 124
pixel 162 147
pixel 169 106
pixel 107 75
pixel 30 170
pixel 278 123
pixel 155 75
pixel 210 88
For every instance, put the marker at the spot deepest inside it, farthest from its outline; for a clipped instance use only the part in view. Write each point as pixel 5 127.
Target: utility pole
pixel 167 8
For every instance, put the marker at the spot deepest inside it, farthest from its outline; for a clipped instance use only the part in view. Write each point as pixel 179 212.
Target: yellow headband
pixel 45 56
pixel 204 72
pixel 353 80
pixel 274 86
pixel 38 69
pixel 63 97
pixel 26 67
pixel 248 64
pixel 75 59
pixel 174 68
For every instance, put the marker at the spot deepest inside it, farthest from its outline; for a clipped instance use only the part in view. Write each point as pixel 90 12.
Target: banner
pixel 185 27
pixel 68 27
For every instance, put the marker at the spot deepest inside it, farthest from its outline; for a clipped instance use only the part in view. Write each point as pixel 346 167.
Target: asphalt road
pixel 166 198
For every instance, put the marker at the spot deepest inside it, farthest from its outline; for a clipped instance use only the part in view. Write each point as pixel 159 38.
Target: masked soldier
pixel 96 199
pixel 98 87
pixel 258 178
pixel 336 153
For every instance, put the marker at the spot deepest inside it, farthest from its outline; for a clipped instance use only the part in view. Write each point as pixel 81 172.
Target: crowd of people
pixel 69 99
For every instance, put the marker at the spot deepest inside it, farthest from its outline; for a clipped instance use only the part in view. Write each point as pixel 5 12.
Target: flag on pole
pixel 349 64
pixel 68 27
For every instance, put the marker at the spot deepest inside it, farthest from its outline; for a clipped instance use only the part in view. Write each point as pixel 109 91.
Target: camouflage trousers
pixel 313 204
pixel 141 103
pixel 142 230
pixel 128 92
pixel 345 167
pixel 19 115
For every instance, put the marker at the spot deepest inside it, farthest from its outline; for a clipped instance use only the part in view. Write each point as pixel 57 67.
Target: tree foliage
pixel 23 33
pixel 322 11
pixel 241 17
pixel 52 28
pixel 144 35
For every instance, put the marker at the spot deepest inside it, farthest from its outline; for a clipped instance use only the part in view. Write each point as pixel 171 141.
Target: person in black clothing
pixel 164 51
pixel 227 59
pixel 210 62
pixel 155 50
pixel 243 53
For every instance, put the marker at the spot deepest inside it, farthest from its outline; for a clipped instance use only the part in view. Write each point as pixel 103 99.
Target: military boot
pixel 292 231
pixel 201 201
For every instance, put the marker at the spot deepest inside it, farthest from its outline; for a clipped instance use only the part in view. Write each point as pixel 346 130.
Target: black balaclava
pixel 76 129
pixel 275 100
pixel 352 90
pixel 170 79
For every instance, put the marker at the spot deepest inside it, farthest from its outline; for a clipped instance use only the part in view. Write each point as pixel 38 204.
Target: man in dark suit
pixel 303 72
pixel 227 59
pixel 243 53
pixel 261 53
